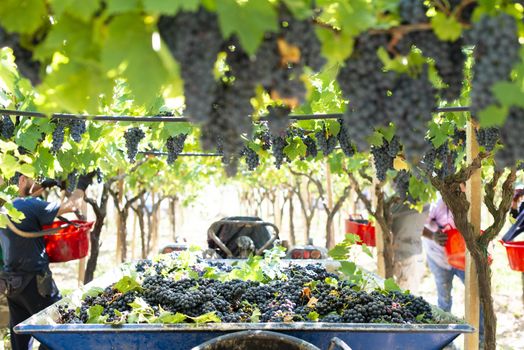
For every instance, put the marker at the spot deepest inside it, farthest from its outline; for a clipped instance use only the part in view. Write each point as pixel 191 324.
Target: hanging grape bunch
pixel 326 143
pixel 77 127
pixel 410 108
pixel 194 40
pixel 58 135
pixel 511 136
pixel 278 143
pixel 496 52
pixel 132 137
pixel 401 184
pixel 448 55
pixel 265 139
pixel 175 146
pixel 27 65
pixel 251 157
pixel 366 86
pixel 488 137
pixel 345 140
pixel 311 146
pixel 7 127
pixel 72 179
pixel 384 157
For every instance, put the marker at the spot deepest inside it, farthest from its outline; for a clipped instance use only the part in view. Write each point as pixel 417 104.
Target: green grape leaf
pixel 331 281
pixel 313 316
pixel 296 148
pixel 339 252
pixel 355 16
pixel 170 7
pixel 22 16
pixel 73 86
pixel 94 314
pixel 493 116
pixel 255 315
pixel 336 46
pixel 210 317
pixel 446 27
pixel 93 292
pixel 128 49
pixel 301 9
pixel 250 20
pixel 83 10
pixel 509 93
pixel 167 317
pixel 391 286
pixel 70 36
pixel 120 6
pixel 348 268
pixel 366 250
pixel 127 284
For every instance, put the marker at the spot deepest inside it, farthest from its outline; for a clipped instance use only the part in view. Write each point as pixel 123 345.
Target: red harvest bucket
pixel 70 243
pixel 515 251
pixel 363 229
pixel 456 249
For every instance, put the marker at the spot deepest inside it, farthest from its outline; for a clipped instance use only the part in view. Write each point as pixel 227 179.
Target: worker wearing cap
pixel 26 278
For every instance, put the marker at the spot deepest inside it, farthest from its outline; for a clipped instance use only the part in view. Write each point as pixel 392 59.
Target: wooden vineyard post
pixel 474 195
pixel 381 263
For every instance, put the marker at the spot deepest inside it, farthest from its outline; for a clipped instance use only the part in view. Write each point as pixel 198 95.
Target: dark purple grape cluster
pixel 7 127
pixel 303 291
pixel 325 141
pixel 278 143
pixel 251 157
pixel 58 135
pixel 511 137
pixel 344 140
pixel 77 127
pixel 496 51
pixel 27 65
pixel 367 87
pixel 384 157
pixel 175 146
pixel 132 137
pixel 488 137
pixel 72 180
pixel 410 107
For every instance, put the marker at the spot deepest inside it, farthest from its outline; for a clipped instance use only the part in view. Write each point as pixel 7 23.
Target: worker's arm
pixel 73 203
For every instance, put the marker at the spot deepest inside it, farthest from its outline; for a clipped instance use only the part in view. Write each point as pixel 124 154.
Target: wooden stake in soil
pixel 474 195
pixel 379 239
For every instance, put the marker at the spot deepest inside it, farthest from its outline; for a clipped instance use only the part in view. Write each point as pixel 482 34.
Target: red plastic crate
pixel 70 243
pixel 365 231
pixel 456 249
pixel 515 251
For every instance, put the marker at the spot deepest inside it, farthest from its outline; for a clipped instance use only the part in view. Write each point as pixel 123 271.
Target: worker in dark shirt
pixel 26 278
pixel 517 205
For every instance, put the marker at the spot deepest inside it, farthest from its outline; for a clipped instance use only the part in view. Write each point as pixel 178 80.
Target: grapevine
pixel 278 145
pixel 58 135
pixel 76 129
pixel 344 140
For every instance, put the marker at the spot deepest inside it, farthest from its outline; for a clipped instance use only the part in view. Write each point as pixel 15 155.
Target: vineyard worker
pixel 26 278
pixel 433 241
pixel 516 209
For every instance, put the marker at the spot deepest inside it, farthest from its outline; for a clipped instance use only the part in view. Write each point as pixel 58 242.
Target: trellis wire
pixel 162 119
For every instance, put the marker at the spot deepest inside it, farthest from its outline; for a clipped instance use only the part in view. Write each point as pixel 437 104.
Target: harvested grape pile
pixel 163 293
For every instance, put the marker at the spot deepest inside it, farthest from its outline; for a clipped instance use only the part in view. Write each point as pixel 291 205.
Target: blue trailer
pixel 42 326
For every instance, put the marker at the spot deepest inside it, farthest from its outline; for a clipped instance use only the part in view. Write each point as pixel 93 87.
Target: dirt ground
pixel 194 221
